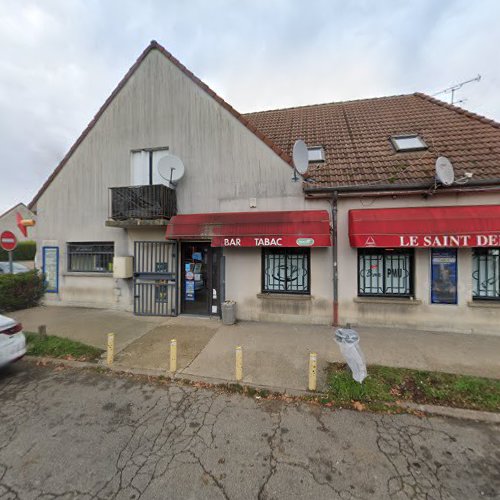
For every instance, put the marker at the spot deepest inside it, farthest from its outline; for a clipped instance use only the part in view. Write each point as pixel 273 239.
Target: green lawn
pixel 386 385
pixel 59 347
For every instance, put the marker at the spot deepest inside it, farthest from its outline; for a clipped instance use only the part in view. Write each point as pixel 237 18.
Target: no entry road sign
pixel 8 241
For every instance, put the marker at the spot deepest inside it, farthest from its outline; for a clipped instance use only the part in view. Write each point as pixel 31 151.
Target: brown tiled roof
pixel 355 136
pixel 154 45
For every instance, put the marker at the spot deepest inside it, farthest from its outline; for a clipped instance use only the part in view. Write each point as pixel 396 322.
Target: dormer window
pixel 316 153
pixel 408 142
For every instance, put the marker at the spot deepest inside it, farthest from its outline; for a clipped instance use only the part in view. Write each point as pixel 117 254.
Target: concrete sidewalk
pixel 88 325
pixel 274 354
pixel 277 354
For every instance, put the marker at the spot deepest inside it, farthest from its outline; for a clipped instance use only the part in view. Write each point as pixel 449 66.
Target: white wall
pixel 243 284
pixel 8 222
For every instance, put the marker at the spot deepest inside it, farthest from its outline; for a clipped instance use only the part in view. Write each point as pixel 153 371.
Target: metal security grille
pixel 385 272
pixel 155 278
pixel 486 273
pixel 286 270
pixel 91 257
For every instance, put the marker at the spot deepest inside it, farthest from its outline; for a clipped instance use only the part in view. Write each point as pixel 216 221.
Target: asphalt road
pixel 80 434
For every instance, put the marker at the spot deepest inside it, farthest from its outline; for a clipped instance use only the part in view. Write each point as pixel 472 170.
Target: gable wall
pixel 159 106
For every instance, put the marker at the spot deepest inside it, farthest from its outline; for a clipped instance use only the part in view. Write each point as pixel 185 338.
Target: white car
pixel 12 340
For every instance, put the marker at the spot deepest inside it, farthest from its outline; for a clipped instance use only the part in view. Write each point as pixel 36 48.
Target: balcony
pixel 133 206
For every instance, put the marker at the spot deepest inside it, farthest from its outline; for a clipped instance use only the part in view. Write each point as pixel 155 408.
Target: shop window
pixel 486 274
pixel 93 257
pixel 383 272
pixel 286 270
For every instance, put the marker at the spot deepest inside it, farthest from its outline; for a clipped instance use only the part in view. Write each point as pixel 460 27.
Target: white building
pixel 238 226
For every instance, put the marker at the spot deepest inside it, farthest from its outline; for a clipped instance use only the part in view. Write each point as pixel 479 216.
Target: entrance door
pixel 200 278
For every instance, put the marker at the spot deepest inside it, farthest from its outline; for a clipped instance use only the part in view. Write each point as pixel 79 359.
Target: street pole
pixel 11 263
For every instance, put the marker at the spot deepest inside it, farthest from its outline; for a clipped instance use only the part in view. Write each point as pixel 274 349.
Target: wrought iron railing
pixel 142 202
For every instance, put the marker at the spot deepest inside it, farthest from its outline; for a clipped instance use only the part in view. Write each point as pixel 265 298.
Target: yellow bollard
pixel 173 356
pixel 239 364
pixel 313 365
pixel 111 348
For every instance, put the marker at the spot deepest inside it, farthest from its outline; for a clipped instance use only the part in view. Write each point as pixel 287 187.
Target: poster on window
pixel 50 268
pixel 189 291
pixel 444 276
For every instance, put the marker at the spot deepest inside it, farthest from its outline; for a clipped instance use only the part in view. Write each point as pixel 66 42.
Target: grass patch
pixel 385 386
pixel 59 347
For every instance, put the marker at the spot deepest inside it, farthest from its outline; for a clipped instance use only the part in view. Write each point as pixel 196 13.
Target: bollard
pixel 239 364
pixel 111 348
pixel 173 356
pixel 313 365
pixel 42 330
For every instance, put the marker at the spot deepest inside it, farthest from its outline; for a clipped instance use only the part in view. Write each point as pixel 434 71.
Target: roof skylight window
pixel 410 142
pixel 316 153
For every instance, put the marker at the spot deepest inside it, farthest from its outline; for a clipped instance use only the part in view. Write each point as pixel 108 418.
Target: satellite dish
pixel 444 171
pixel 170 168
pixel 300 156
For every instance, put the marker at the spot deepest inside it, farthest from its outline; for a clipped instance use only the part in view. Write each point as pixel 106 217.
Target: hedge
pixel 25 250
pixel 20 291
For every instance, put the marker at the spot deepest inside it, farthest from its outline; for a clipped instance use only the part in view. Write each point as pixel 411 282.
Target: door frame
pixel 213 277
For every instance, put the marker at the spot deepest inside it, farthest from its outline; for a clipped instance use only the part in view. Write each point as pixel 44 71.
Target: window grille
pixel 90 257
pixel 385 273
pixel 486 273
pixel 286 270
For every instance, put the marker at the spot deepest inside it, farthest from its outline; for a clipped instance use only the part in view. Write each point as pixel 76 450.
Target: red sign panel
pixel 428 227
pixel 272 241
pixel 8 241
pixel 307 228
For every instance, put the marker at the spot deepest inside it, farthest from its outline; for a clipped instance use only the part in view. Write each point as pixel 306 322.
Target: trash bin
pixel 229 312
pixel 348 341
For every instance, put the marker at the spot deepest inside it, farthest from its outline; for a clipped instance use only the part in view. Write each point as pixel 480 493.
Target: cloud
pixel 60 59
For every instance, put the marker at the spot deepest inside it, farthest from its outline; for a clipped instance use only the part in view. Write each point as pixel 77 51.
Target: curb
pixel 446 411
pixel 59 361
pixel 434 410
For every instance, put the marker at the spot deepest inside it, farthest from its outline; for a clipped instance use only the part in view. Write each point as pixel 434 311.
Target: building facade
pixel 104 201
pixel 114 231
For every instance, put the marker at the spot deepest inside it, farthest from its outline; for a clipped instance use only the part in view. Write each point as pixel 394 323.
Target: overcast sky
pixel 60 59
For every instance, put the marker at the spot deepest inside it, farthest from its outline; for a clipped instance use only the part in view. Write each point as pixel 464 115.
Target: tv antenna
pixel 451 90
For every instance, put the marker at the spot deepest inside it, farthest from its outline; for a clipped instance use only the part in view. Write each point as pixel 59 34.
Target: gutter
pixel 389 189
pixel 335 321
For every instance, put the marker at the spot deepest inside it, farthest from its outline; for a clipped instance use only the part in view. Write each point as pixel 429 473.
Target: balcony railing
pixel 142 203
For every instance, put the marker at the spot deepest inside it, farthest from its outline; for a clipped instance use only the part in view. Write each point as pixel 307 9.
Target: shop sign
pixel 429 241
pixel 271 241
pixel 444 276
pixel 257 242
pixel 305 242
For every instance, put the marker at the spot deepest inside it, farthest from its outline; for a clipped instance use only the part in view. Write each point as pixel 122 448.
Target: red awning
pixel 308 228
pixel 471 226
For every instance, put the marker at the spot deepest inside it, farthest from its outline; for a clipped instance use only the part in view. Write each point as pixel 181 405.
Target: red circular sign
pixel 8 241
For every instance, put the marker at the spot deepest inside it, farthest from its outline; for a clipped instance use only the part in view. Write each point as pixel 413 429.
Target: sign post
pixel 8 242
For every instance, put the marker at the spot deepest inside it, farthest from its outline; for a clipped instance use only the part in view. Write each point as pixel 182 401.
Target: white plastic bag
pixel 348 342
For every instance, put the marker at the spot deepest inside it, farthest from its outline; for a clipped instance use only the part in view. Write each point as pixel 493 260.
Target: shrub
pixel 20 291
pixel 25 250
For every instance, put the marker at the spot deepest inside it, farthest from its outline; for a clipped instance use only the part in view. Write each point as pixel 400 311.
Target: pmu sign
pixel 8 241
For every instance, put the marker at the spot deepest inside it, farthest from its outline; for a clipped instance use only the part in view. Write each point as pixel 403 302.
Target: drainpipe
pixel 335 259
